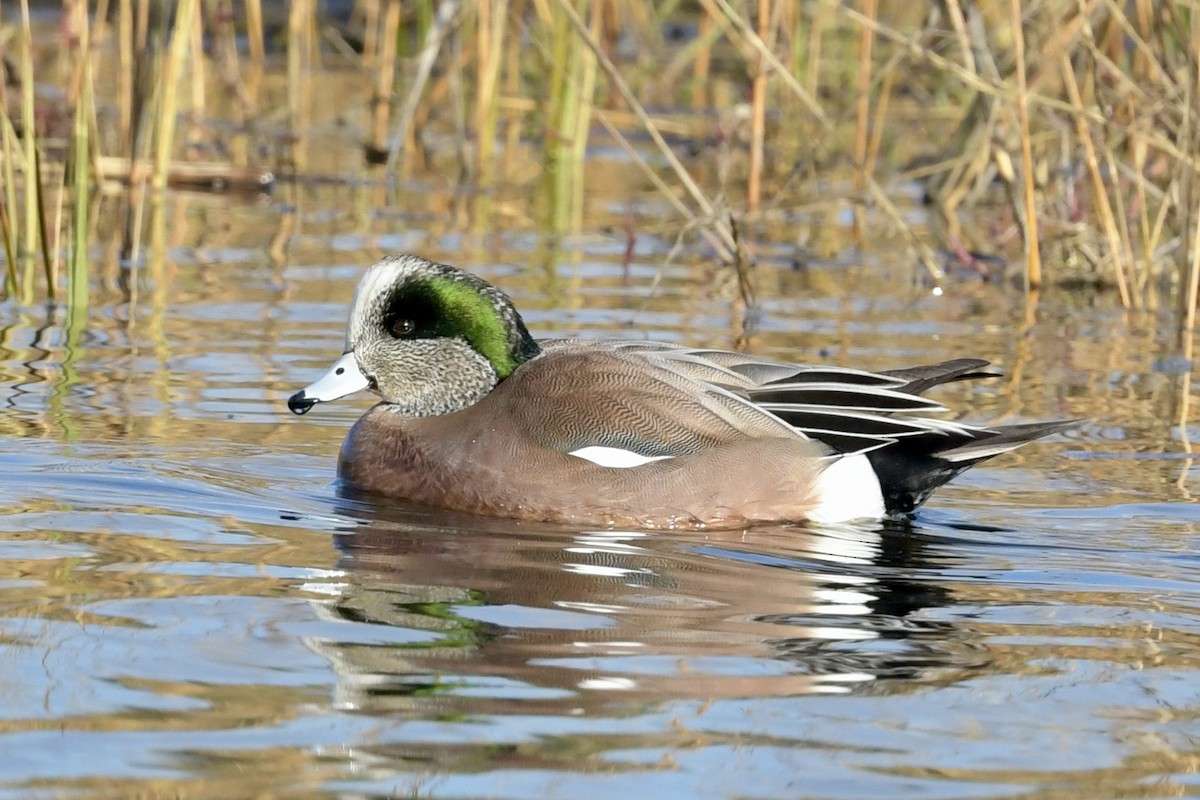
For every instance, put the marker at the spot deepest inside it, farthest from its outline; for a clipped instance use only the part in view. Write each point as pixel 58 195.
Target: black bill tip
pixel 299 404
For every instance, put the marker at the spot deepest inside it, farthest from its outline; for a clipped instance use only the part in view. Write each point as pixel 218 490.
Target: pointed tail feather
pixel 1005 438
pixel 922 379
pixel 912 468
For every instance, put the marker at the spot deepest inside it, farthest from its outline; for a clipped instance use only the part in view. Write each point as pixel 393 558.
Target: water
pixel 189 609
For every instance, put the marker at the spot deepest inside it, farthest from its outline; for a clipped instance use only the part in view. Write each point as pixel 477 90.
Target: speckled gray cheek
pixel 426 377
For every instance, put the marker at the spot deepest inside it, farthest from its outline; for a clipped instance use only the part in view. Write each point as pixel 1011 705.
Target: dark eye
pixel 402 328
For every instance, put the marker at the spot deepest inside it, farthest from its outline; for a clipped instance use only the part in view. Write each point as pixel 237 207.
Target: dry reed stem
pixel 659 183
pixel 758 118
pixel 125 72
pixel 1137 146
pixel 1124 257
pixel 10 254
pixel 369 10
pixel 8 159
pixel 703 61
pixel 697 53
pixel 1145 59
pixel 879 123
pixel 1190 293
pixel 994 87
pixel 924 253
pixel 512 84
pixel 301 48
pixel 582 117
pixel 35 227
pixel 185 15
pixel 862 104
pixel 1033 253
pixel 196 73
pixel 739 24
pixel 958 23
pixel 48 265
pixel 745 303
pixel 385 74
pixel 9 199
pixel 77 275
pixel 491 49
pixel 627 95
pixel 818 22
pixel 443 23
pixel 255 43
pixel 1101 194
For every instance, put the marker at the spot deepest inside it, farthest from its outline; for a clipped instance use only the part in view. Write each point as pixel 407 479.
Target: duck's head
pixel 428 338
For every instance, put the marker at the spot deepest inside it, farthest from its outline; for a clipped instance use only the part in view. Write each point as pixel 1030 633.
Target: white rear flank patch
pixel 614 456
pixel 848 489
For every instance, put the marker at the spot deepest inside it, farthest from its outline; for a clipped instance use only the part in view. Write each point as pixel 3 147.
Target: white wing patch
pixel 614 457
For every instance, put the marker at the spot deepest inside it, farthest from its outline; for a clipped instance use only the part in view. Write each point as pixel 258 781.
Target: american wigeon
pixel 478 416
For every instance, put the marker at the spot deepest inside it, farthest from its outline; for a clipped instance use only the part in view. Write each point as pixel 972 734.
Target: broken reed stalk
pixel 1033 254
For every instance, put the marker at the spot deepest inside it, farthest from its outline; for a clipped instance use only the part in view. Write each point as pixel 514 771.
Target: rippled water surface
pixel 189 609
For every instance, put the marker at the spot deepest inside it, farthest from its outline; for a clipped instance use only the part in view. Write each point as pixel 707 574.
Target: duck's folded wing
pixel 661 401
pixel 594 395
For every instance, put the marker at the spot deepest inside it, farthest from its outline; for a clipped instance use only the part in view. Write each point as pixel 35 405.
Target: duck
pixel 478 416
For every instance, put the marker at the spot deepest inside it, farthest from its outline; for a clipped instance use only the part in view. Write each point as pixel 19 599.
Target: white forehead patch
pixel 373 288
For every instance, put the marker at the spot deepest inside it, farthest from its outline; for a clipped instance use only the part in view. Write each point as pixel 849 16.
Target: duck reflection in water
pixel 526 613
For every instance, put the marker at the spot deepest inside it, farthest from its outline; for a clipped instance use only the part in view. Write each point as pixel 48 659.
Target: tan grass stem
pixel 1033 253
